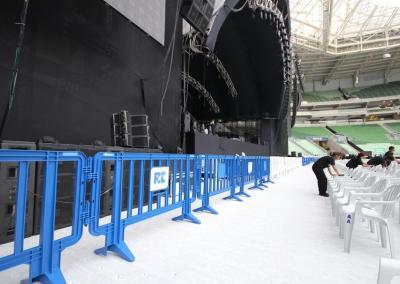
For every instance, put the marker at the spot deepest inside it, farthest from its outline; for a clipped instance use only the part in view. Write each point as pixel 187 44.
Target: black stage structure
pixel 82 61
pixel 67 66
pixel 252 41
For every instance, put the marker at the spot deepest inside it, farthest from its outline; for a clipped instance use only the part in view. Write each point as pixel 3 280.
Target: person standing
pixel 318 169
pixel 390 152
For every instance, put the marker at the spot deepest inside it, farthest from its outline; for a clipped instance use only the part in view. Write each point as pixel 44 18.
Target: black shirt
pixel 354 163
pixel 324 162
pixel 375 161
pixel 388 153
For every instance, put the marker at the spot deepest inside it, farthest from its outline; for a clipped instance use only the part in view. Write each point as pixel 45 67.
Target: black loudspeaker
pixel 8 193
pixel 66 181
pixel 130 130
pixel 140 130
pixel 198 13
pixel 293 154
pixel 140 141
pixel 137 120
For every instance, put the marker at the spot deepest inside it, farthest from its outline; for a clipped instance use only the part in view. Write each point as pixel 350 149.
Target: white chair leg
pixel 392 242
pixel 348 230
pixel 382 231
pixel 378 235
pixel 399 212
pixel 334 211
pixel 337 215
pixel 372 226
pixel 341 225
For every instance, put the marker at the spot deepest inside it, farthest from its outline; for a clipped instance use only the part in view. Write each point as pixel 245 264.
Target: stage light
pixel 387 55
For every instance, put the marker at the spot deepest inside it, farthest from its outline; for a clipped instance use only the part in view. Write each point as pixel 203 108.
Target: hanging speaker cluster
pixel 268 11
pixel 198 13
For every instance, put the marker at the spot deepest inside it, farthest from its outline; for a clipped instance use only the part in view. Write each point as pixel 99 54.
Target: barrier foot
pixel 244 194
pixel 120 249
pixel 256 187
pixel 270 181
pixel 207 208
pixel 232 197
pixel 54 277
pixel 190 217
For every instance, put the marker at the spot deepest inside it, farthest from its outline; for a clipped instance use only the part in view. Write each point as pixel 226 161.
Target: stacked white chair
pixel 366 193
pixel 376 210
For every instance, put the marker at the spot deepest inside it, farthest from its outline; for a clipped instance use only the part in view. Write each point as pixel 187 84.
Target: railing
pixel 143 186
pixel 44 259
pixel 309 160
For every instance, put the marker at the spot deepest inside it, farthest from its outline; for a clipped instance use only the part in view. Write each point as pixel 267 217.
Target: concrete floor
pixel 285 234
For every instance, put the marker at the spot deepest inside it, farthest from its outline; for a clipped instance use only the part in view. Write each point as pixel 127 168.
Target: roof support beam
pixel 327 6
pixel 332 71
pixel 392 17
pixel 347 19
pixel 367 20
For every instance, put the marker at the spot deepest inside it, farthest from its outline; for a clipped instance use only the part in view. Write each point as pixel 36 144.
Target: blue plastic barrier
pixel 259 172
pixel 178 181
pixel 144 186
pixel 44 259
pixel 308 160
pixel 217 176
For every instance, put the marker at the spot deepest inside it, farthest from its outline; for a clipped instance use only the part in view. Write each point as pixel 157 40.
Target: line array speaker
pixel 198 13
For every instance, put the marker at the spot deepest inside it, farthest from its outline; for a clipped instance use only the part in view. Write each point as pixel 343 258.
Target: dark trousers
pixel 321 177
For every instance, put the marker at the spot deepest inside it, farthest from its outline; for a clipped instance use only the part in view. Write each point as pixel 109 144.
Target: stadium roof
pixel 346 26
pixel 342 38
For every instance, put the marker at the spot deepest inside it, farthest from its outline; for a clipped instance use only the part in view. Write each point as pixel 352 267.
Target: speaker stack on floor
pixel 8 192
pixel 130 130
pixel 140 131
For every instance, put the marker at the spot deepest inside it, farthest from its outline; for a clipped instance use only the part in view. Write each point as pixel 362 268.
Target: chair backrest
pixel 369 180
pixel 358 174
pixel 380 185
pixel 391 194
pixel 378 169
pixel 394 180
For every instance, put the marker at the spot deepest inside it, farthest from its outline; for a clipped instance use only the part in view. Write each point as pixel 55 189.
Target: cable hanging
pixel 15 67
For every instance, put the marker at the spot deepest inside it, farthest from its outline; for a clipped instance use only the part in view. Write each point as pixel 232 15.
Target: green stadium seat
pixel 390 89
pixel 294 148
pixel 305 132
pixel 362 134
pixel 394 126
pixel 310 147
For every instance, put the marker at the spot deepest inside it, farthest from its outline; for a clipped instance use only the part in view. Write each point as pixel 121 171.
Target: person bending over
pixel 383 161
pixel 356 161
pixel 318 169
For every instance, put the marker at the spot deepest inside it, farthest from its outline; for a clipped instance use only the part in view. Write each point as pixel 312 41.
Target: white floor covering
pixel 284 234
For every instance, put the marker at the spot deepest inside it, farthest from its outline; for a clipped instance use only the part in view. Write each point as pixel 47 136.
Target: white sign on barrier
pixel 159 178
pixel 250 167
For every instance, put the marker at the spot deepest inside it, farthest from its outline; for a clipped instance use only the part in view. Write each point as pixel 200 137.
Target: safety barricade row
pixel 309 160
pixel 144 186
